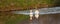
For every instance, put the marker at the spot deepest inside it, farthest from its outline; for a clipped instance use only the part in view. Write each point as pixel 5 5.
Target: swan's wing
pixel 42 11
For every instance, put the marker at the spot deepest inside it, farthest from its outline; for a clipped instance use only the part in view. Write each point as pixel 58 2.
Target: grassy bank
pixel 23 4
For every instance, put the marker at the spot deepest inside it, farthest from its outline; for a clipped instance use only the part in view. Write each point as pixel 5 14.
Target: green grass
pixel 8 4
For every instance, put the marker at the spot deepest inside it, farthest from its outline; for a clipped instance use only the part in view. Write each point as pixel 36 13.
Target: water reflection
pixel 44 19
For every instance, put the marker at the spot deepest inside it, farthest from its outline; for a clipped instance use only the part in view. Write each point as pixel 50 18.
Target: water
pixel 42 11
pixel 46 15
pixel 44 19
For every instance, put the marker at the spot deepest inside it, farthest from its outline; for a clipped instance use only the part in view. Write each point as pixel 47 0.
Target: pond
pixel 19 17
pixel 46 15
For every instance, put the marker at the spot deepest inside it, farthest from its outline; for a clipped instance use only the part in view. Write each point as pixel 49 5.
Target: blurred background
pixel 6 6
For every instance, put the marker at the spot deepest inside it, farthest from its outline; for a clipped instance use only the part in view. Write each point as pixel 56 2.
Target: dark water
pixel 44 19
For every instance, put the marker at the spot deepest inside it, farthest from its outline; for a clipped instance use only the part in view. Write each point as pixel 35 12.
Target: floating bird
pixel 31 14
pixel 36 14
